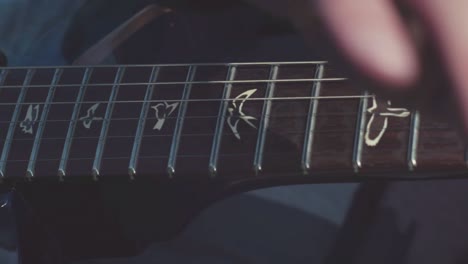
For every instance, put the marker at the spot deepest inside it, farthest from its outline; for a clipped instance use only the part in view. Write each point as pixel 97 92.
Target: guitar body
pixel 110 207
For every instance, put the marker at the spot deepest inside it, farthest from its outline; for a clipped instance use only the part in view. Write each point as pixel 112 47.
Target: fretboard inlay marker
pixel 360 132
pixel 32 114
pixel 413 141
pixel 14 121
pixel 214 155
pixel 132 166
pixel 171 163
pixel 266 112
pixel 236 113
pixel 378 113
pixel 72 125
pixel 162 112
pixel 105 124
pixel 90 116
pixel 311 121
pixel 42 123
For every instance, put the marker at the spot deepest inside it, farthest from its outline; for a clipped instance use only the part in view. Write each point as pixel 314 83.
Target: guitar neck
pixel 238 121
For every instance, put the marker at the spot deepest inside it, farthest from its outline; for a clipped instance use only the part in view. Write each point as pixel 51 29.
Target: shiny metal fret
pixel 213 165
pixel 311 121
pixel 40 128
pixel 72 125
pixel 3 76
pixel 141 123
pixel 14 122
pixel 359 134
pixel 259 149
pixel 105 124
pixel 171 164
pixel 413 141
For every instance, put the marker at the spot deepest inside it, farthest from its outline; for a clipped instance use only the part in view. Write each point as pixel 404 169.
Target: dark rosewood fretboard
pixel 206 121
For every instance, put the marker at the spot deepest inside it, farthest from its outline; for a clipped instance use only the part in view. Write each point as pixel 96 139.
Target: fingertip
pixel 372 36
pixel 388 60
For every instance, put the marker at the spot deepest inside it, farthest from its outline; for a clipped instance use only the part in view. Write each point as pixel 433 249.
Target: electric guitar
pixel 182 135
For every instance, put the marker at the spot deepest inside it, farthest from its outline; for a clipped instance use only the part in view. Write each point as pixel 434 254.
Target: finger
pixel 448 21
pixel 372 36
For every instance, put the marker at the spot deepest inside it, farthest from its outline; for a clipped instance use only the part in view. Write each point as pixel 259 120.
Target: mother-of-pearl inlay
pixel 388 112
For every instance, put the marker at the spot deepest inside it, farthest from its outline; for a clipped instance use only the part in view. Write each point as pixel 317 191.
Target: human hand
pixel 372 35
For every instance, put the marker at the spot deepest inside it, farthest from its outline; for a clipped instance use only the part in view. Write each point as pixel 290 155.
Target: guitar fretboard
pixel 208 121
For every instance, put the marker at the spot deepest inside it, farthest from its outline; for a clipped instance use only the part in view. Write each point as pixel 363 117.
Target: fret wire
pixel 258 81
pixel 14 120
pixel 311 122
pixel 72 124
pixel 171 164
pixel 262 130
pixel 413 141
pixel 359 134
pixel 141 124
pixel 3 76
pixel 96 170
pixel 40 129
pixel 221 119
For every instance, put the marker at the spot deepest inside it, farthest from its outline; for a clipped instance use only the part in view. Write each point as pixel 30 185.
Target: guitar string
pixel 347 114
pixel 261 81
pixel 262 99
pixel 342 132
pixel 275 116
pixel 407 126
pixel 227 64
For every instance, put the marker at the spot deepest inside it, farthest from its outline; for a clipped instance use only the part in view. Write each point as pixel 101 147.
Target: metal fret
pixel 258 158
pixel 413 141
pixel 14 122
pixel 213 164
pixel 105 124
pixel 141 124
pixel 3 76
pixel 72 125
pixel 311 121
pixel 42 123
pixel 171 164
pixel 359 134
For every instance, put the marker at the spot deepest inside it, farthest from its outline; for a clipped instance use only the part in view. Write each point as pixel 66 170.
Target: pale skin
pixel 374 38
